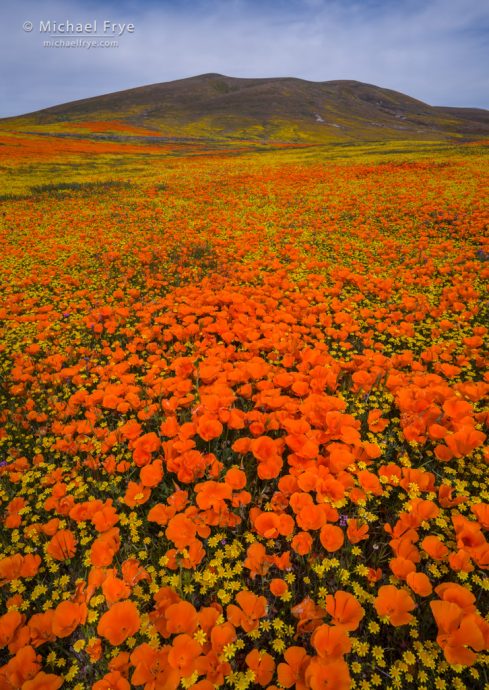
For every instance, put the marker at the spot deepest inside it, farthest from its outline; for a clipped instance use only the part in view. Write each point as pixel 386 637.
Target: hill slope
pixel 281 109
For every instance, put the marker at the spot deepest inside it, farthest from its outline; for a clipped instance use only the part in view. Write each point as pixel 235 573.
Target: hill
pixel 277 109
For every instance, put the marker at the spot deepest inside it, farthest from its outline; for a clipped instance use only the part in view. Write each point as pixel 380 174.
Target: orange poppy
pixel 394 604
pixel 271 525
pixel 209 428
pixel 270 462
pixel 105 518
pixel 44 681
pixel 94 649
pixel 331 537
pixel 213 495
pixel 41 628
pixel 136 494
pixel 10 622
pixel 262 665
pixel 292 673
pixel 419 583
pixel 356 532
pixel 67 617
pixel 119 622
pixel 401 567
pixel 481 511
pixel 133 572
pixel 309 614
pixel 251 608
pixel 183 655
pixel 221 635
pixel 331 641
pixel 330 675
pixel 181 618
pixel 278 587
pixel 112 681
pixel 105 547
pixel 458 633
pixel 22 667
pixel 144 446
pixel 235 478
pixel 257 561
pixel 434 547
pixel 311 517
pixel 302 543
pixel 181 531
pixel 152 474
pixel 62 546
pixel 114 589
pixel 345 610
pixel 457 594
pixel 460 561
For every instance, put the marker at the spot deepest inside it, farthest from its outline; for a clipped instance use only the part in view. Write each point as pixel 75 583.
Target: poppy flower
pixel 331 537
pixel 331 641
pixel 136 494
pixel 62 546
pixel 43 681
pixel 105 547
pixel 119 622
pixel 105 518
pixel 302 543
pixel 144 447
pixel 419 583
pixel 310 615
pixel 41 628
pixel 345 610
pixel 257 561
pixel 248 612
pixel 235 478
pixel 183 654
pixel 114 589
pixel 67 617
pixel 458 633
pixel 133 572
pixel 434 547
pixel 265 450
pixel 292 672
pixel 221 635
pixel 327 675
pixel 394 604
pixel 112 681
pixel 356 532
pixel 22 667
pixel 278 587
pixel 94 649
pixel 213 495
pixel 151 475
pixel 181 531
pixel 457 594
pixel 401 567
pixel 209 428
pixel 271 525
pixel 311 517
pixel 262 665
pixel 181 618
pixel 10 622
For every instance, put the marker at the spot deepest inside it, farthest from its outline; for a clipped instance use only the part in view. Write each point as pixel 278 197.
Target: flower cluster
pixel 243 425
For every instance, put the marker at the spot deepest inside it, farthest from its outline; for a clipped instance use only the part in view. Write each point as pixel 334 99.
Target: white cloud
pixel 436 50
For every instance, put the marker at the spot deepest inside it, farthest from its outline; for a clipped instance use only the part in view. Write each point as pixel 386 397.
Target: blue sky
pixel 434 50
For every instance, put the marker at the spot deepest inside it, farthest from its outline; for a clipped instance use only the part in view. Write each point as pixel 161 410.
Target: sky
pixel 434 50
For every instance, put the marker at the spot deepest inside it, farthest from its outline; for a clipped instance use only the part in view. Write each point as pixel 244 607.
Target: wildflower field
pixel 243 416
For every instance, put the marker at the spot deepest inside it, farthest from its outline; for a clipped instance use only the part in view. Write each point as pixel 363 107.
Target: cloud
pixel 436 50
